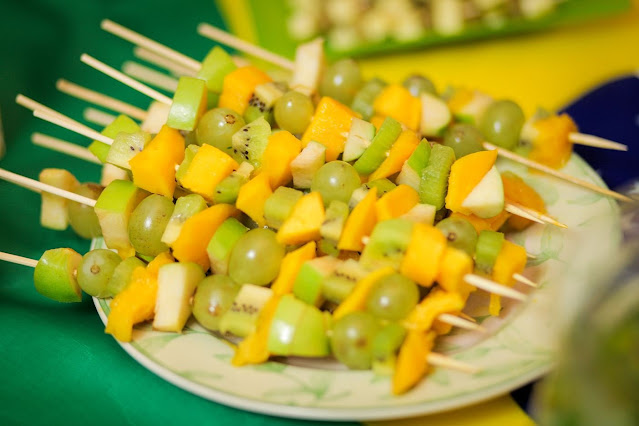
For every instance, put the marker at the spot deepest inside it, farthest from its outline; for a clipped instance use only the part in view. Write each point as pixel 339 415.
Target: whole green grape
pixel 341 81
pixel 147 224
pixel 293 112
pixel 464 139
pixel 418 84
pixel 459 233
pixel 336 180
pixel 501 123
pixel 214 296
pixel 96 271
pixel 217 127
pixel 352 339
pixel 256 257
pixel 392 297
pixel 82 218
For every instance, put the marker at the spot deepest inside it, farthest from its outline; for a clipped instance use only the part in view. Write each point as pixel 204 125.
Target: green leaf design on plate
pixel 508 368
pixel 157 342
pixel 477 352
pixel 552 244
pixel 439 377
pixel 200 375
pixel 546 190
pixel 586 199
pixel 318 386
pixel 223 357
pixel 271 367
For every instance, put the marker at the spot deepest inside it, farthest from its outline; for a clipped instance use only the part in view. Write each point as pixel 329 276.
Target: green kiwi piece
pixel 434 177
pixel 364 98
pixel 488 247
pixel 334 220
pixel 122 123
pixel 279 204
pixel 376 153
pixel 253 112
pixel 189 154
pixel 383 186
pixel 328 247
pixel 122 274
pixel 387 244
pixel 420 157
pixel 308 284
pixel 185 207
pixel 126 146
pixel 335 288
pixel 222 242
pixel 227 190
pixel 250 141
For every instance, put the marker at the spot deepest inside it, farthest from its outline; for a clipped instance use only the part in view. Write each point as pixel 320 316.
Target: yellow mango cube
pixel 208 167
pixel 465 174
pixel 304 222
pixel 396 101
pixel 253 195
pixel 423 256
pixel 281 150
pixel 398 154
pixel 291 265
pixel 329 126
pixel 396 202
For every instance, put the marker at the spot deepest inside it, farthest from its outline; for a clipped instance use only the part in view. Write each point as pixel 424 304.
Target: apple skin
pixel 284 325
pixel 54 275
pixel 220 246
pixel 308 284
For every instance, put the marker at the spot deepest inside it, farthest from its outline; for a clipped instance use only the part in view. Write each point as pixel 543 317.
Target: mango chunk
pixel 396 202
pixel 197 231
pixel 208 167
pixel 411 362
pixel 238 87
pixel 253 349
pixel 252 196
pixel 465 174
pixel 360 223
pixel 356 301
pixel 136 303
pixel 329 126
pixel 455 264
pixel 436 303
pixel 281 150
pixel 510 260
pixel 396 101
pixel 423 255
pixel 490 224
pixel 552 145
pixel 154 168
pixel 516 190
pixel 291 265
pixel 305 221
pixel 401 150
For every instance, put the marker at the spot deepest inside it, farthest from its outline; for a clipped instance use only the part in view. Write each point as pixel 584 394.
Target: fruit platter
pixel 351 249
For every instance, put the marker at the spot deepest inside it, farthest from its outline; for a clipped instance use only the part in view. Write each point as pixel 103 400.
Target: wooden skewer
pixel 223 37
pixel 456 321
pixel 534 165
pixel 440 360
pixel 98 117
pixel 8 257
pixel 59 145
pixel 123 78
pixel 147 43
pixel 162 62
pixel 595 141
pixel 544 218
pixel 518 211
pixel 91 134
pixel 493 287
pixel 467 317
pixel 150 76
pixel 33 105
pixel 524 280
pixel 39 186
pixel 100 99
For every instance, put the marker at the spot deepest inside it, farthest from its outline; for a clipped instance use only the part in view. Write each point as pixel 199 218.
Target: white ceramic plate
pixel 519 349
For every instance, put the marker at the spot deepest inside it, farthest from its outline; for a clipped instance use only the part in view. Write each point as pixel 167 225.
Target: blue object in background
pixel 611 111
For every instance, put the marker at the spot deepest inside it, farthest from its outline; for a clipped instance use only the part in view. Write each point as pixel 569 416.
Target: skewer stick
pixel 8 257
pixel 150 76
pixel 595 141
pixel 456 321
pixel 493 287
pixel 59 145
pixel 518 211
pixel 91 134
pixel 524 280
pixel 29 103
pixel 209 31
pixel 534 165
pixel 39 186
pixel 147 43
pixel 537 215
pixel 440 360
pixel 467 317
pixel 98 117
pixel 100 99
pixel 123 78
pixel 162 62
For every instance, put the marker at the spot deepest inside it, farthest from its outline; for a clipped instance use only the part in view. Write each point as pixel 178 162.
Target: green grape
pixel 387 341
pixel 352 339
pixel 82 218
pixel 459 233
pixel 341 81
pixel 418 84
pixel 147 224
pixel 293 112
pixel 214 296
pixel 96 271
pixel 336 180
pixel 392 297
pixel 256 257
pixel 501 123
pixel 464 139
pixel 217 126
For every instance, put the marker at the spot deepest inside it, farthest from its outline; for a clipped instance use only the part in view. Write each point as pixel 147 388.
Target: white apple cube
pixel 176 285
pixel 487 198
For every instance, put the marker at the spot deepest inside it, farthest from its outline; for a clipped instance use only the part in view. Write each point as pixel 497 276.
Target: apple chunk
pixel 176 285
pixel 487 198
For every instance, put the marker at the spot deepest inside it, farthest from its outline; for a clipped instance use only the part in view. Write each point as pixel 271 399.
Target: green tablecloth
pixel 56 365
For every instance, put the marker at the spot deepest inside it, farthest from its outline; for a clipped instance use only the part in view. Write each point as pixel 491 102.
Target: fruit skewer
pixel 64 147
pixel 151 57
pixel 150 76
pixel 98 117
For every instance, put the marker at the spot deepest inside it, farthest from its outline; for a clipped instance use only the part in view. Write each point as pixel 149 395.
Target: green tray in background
pixel 269 31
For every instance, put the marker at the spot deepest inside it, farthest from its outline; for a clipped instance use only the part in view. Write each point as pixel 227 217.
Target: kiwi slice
pixel 226 191
pixel 335 288
pixel 383 186
pixel 328 247
pixel 250 141
pixel 488 247
pixel 122 274
pixel 387 244
pixel 222 242
pixel 241 318
pixel 334 220
pixel 189 154
pixel 122 123
pixel 279 204
pixel 375 154
pixel 363 100
pixel 185 207
pixel 254 112
pixel 126 146
pixel 411 170
pixel 434 177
